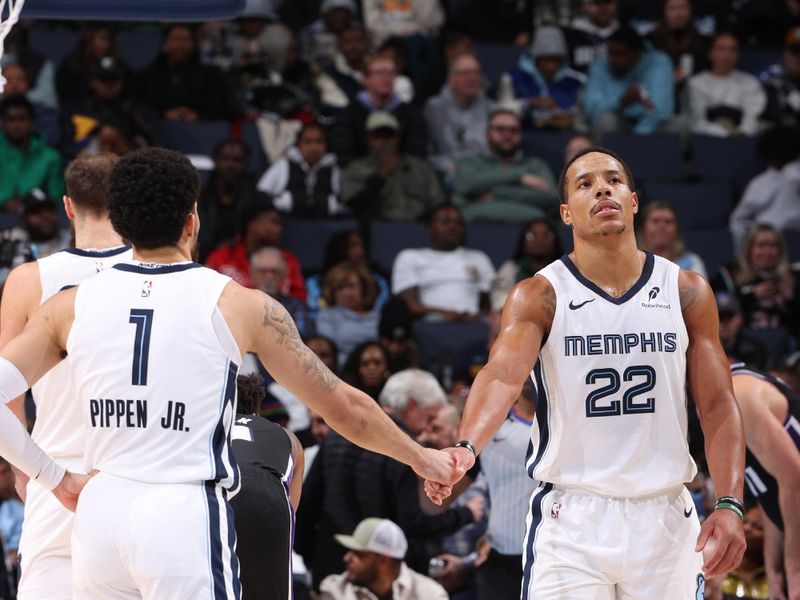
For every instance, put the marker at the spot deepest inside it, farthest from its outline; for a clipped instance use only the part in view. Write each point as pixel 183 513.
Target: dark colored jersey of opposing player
pixel 760 483
pixel 263 515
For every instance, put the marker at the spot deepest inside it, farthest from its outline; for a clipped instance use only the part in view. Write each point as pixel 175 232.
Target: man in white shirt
pixel 446 280
pixel 375 568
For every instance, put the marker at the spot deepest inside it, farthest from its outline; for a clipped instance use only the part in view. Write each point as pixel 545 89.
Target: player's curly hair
pixel 251 393
pixel 151 192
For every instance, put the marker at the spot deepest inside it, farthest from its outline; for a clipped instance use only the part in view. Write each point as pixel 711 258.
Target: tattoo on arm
pixel 688 297
pixel 548 299
pixel 277 318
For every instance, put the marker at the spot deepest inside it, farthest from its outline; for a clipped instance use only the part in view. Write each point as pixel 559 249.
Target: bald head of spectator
pixel 268 271
pixel 465 78
pixel 413 396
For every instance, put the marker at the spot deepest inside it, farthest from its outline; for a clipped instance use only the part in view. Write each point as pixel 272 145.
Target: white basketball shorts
pixel 153 541
pixel 581 546
pixel 44 546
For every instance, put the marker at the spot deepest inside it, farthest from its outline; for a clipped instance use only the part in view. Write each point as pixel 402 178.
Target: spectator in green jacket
pixel 502 184
pixel 388 184
pixel 26 161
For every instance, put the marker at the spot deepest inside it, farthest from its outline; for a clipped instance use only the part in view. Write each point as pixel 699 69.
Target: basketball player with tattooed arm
pixel 618 334
pixel 154 347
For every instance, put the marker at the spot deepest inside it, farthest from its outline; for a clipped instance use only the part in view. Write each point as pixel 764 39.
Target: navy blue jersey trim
pixel 97 253
pixel 215 542
pixel 647 271
pixel 156 269
pixel 541 416
pixel 536 521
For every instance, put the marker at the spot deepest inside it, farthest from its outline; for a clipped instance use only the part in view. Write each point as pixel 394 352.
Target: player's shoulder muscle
pixel 532 300
pixel 22 293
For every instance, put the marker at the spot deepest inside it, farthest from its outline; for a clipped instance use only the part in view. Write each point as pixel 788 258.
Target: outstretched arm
pixel 709 381
pixel 527 316
pixel 272 335
pixel 775 450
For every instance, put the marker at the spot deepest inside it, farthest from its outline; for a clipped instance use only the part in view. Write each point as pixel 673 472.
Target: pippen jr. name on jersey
pixel 133 414
pixel 620 343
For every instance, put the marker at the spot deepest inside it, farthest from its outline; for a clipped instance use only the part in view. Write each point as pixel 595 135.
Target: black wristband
pixel 731 500
pixel 466 444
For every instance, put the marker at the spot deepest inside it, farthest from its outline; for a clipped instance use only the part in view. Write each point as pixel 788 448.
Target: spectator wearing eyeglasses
pixel 503 184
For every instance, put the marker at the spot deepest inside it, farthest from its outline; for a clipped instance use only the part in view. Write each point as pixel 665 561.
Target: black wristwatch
pixel 468 445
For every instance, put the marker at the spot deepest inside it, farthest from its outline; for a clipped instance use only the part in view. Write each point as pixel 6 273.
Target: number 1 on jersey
pixel 143 319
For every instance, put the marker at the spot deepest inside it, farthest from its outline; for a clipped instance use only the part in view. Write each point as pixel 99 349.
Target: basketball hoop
pixel 7 21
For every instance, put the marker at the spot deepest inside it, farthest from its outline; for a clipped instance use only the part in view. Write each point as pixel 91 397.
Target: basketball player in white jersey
pixel 44 547
pixel 154 347
pixel 618 335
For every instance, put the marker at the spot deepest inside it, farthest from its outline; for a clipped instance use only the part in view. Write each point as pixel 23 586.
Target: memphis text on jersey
pixel 133 414
pixel 624 343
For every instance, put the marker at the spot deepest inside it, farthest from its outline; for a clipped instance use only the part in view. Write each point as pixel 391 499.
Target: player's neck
pixel 95 234
pixel 614 267
pixel 163 255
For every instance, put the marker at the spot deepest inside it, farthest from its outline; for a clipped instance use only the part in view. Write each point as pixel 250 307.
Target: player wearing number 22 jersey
pixel 612 336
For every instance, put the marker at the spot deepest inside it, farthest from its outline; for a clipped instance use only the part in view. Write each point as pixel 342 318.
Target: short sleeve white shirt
pixel 447 280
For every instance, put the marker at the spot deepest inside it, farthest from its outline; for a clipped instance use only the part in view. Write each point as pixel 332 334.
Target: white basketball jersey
pixel 155 365
pixel 611 382
pixel 59 429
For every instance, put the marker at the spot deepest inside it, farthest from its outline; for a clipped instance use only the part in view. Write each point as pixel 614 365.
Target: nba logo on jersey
pixel 99 266
pixel 147 288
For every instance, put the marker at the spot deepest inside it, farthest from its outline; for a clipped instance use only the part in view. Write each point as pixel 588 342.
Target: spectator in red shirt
pixel 261 228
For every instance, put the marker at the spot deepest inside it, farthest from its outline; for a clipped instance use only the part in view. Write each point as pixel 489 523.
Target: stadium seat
pixel 52 44
pixel 656 156
pixel 713 245
pixel 792 245
pixel 201 138
pixel 439 342
pixel 723 159
pixel 307 238
pixel 139 48
pixel 755 60
pixel 497 241
pixel 699 205
pixel 547 145
pixel 496 59
pixel 387 239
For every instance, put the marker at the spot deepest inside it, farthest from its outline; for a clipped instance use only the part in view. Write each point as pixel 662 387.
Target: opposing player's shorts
pixel 264 524
pixel 153 541
pixel 581 546
pixel 44 546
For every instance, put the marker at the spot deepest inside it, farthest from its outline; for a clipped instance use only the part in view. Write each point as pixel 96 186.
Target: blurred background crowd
pixel 387 170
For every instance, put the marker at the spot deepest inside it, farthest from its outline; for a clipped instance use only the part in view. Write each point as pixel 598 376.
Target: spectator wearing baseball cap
pixel 545 87
pixel 782 84
pixel 375 568
pixel 737 342
pixel 389 184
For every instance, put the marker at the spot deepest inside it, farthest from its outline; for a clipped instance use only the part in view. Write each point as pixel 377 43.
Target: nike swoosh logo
pixel 573 306
pixel 688 513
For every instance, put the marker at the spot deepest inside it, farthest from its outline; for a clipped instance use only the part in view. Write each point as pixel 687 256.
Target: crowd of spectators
pixel 376 111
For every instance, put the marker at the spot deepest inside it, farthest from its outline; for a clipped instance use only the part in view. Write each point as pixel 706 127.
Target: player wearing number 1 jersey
pixel 154 347
pixel 618 334
pixel 44 550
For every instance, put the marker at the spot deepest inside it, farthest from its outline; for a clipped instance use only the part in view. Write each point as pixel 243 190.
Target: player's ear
pixel 566 217
pixel 69 207
pixel 635 202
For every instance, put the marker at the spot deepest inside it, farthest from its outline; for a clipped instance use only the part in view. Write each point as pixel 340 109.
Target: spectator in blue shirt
pixel 544 84
pixel 631 89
